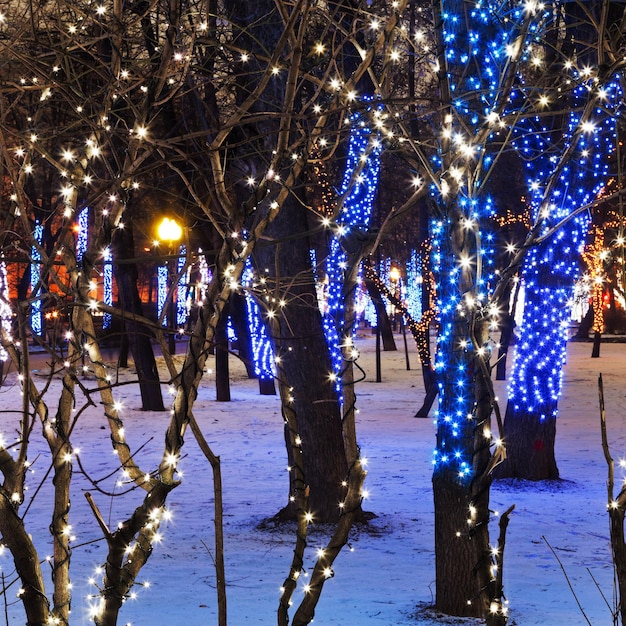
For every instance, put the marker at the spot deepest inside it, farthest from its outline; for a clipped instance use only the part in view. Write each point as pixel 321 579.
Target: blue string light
pixel 414 285
pixel 107 276
pixel 83 233
pixel 550 270
pixel 359 186
pixel 162 280
pixel 262 353
pixel 181 301
pixel 36 317
pixel 478 44
pixel 478 47
pixel 6 314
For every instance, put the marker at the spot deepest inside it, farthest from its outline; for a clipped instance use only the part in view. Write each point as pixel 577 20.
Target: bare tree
pixel 156 96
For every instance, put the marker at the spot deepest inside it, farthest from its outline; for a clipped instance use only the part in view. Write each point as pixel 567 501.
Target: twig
pixel 580 608
pixel 96 511
pixel 616 513
pixel 497 615
pixel 605 442
pixel 602 594
pixel 218 561
pixel 4 597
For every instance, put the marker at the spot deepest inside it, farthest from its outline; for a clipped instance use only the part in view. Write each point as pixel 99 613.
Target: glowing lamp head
pixel 169 230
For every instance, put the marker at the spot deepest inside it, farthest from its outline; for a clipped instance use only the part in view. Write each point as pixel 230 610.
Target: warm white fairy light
pixel 588 127
pixel 171 459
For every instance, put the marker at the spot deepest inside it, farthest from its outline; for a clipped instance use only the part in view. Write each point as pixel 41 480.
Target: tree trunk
pixel 529 441
pixel 462 459
pixel 461 484
pixel 585 325
pixel 507 325
pixel 299 342
pixel 459 553
pixel 26 561
pixel 122 359
pixel 239 319
pixel 430 387
pixel 318 420
pixel 222 373
pixel 597 340
pixel 382 319
pixel 298 338
pixel 126 276
pixel 506 333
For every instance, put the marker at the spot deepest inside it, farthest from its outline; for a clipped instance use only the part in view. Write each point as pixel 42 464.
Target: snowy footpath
pixel 386 577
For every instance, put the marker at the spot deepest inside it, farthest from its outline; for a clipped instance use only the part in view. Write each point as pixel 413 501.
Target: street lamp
pixel 170 232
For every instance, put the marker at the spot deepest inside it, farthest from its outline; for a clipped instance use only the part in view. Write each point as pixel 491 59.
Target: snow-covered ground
pixel 387 578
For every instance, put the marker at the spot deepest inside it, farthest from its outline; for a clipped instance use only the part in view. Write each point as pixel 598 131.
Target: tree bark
pixel 506 333
pixel 299 342
pixel 298 337
pixel 616 507
pixel 122 359
pixel 597 341
pixel 462 460
pixel 462 549
pixel 459 552
pixel 382 319
pixel 222 373
pixel 585 325
pixel 430 387
pixel 239 319
pixel 26 561
pixel 529 439
pixel 138 335
pixel 507 325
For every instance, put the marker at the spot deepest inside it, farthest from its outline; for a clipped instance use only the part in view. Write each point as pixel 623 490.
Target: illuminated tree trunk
pixel 462 558
pixel 238 316
pixel 298 338
pixel 461 477
pixel 304 363
pixel 535 381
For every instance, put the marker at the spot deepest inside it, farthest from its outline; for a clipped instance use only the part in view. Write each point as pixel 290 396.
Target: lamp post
pixel 170 232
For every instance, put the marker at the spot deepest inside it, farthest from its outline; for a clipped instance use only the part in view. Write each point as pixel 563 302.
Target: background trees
pixel 491 94
pixel 552 267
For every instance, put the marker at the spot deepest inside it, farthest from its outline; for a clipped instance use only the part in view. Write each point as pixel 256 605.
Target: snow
pixel 387 579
